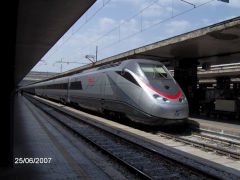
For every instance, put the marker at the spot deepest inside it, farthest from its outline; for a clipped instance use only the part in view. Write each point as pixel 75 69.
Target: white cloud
pixel 106 24
pixel 176 27
pixel 128 27
pixel 153 11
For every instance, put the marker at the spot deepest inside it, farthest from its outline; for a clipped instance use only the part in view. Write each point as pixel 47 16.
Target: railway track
pixel 217 143
pixel 145 162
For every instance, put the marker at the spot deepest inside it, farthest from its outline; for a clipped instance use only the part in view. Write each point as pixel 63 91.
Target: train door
pixel 68 88
pixel 102 85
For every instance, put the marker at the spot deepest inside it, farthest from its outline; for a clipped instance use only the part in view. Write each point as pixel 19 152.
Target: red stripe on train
pixel 170 96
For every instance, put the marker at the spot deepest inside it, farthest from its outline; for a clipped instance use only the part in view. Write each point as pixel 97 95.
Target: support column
pixel 8 85
pixel 185 73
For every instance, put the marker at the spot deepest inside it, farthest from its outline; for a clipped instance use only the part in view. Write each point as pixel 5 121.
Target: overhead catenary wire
pixel 142 29
pixel 87 21
pixel 155 24
pixel 119 25
pixel 66 62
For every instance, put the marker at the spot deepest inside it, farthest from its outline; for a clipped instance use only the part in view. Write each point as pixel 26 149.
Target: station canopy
pixel 40 24
pixel 215 44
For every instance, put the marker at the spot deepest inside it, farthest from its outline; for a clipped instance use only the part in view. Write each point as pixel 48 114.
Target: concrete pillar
pixel 185 73
pixel 7 84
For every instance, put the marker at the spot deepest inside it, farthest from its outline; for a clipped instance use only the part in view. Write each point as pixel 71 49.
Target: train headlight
pixel 158 97
pixel 165 99
pixel 182 98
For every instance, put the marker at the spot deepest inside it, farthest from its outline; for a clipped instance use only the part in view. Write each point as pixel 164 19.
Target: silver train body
pixel 143 90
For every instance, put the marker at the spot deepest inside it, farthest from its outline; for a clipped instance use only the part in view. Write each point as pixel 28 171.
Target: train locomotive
pixel 143 90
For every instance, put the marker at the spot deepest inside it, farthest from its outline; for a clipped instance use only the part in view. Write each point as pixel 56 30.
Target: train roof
pixel 110 66
pixel 116 65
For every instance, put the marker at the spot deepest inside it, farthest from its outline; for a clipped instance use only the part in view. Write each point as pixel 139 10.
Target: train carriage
pixel 143 90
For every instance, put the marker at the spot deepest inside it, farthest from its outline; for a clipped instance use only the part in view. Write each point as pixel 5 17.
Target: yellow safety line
pixel 66 155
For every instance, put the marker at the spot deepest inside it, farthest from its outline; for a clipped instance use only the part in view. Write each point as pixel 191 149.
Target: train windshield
pixel 154 71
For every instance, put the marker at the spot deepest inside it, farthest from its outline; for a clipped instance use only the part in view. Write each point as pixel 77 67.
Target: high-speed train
pixel 143 90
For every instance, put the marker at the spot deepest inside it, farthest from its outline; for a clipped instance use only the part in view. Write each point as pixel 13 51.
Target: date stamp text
pixel 32 160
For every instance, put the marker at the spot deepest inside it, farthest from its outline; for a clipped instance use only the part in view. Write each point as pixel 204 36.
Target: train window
pixel 65 85
pixel 128 76
pixel 109 65
pixel 76 85
pixel 57 86
pixel 154 71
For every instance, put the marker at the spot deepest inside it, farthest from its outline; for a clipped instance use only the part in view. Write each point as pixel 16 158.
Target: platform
pixel 41 151
pixel 227 127
pixel 36 138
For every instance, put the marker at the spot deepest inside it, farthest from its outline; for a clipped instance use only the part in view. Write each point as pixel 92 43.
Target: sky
pixel 116 26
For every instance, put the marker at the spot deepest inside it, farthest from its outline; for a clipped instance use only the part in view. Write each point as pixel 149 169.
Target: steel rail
pixel 219 139
pixel 201 145
pixel 218 134
pixel 131 167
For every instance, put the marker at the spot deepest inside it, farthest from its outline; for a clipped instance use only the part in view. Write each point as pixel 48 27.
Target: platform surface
pixel 41 152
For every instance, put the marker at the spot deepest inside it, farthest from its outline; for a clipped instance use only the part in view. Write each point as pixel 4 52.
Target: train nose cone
pixel 170 111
